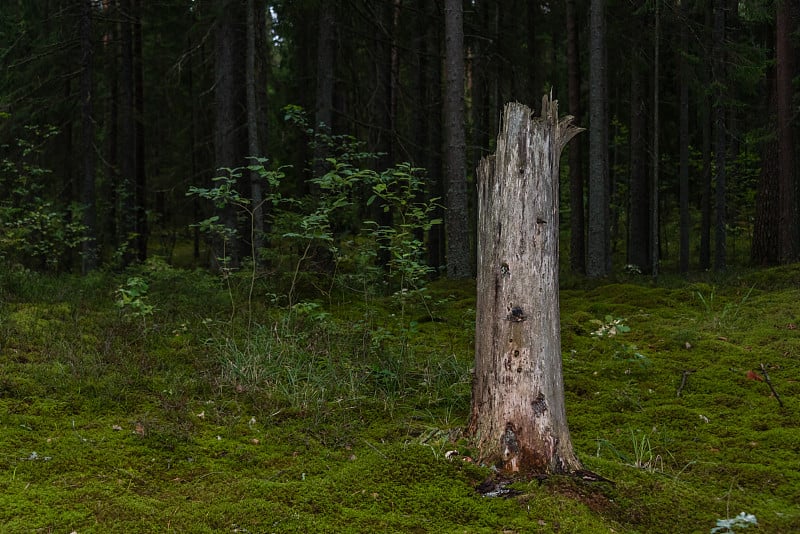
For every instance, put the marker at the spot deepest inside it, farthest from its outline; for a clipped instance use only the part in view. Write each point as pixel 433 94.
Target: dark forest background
pixel 111 111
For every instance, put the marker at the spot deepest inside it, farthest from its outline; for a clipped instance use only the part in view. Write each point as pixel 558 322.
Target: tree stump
pixel 518 420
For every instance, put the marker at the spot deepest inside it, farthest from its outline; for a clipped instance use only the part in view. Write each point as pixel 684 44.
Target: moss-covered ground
pixel 335 415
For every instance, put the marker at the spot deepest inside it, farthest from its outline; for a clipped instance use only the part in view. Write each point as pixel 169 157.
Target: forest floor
pixel 188 409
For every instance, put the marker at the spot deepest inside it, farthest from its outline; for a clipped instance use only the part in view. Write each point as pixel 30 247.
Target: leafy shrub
pixel 34 231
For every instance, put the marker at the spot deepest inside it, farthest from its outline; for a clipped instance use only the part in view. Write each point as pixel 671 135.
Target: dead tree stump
pixel 518 420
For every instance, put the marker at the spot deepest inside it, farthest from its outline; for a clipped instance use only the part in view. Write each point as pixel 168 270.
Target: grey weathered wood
pixel 518 420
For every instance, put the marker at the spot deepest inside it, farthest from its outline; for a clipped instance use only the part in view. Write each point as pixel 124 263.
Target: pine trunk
pixel 718 61
pixel 127 139
pixel 788 233
pixel 456 216
pixel 577 256
pixel 518 419
pixel 253 142
pixel 89 245
pixel 598 248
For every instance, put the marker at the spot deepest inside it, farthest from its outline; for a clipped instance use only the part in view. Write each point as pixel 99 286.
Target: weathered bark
pixel 518 419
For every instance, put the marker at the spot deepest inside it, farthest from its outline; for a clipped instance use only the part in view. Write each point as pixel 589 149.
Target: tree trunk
pixel 683 135
pixel 577 220
pixel 140 188
pixel 109 231
pixel 227 121
pixel 518 419
pixel 430 100
pixel 718 63
pixel 127 139
pixel 766 227
pixel 323 114
pixel 654 219
pixel 705 201
pixel 598 257
pixel 786 182
pixel 253 145
pixel 639 186
pixel 89 246
pixel 765 249
pixel 456 217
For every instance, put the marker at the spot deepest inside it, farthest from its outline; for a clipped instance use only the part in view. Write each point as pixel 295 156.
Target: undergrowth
pixel 174 411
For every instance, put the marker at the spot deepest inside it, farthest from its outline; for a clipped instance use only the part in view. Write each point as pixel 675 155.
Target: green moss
pixel 343 417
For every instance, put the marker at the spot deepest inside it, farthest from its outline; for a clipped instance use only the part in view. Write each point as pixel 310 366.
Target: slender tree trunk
pixel 140 204
pixel 384 133
pixel 598 260
pixel 89 246
pixel 654 204
pixel 766 227
pixel 766 249
pixel 431 98
pixel 718 62
pixel 108 231
pixel 683 173
pixel 577 256
pixel 531 87
pixel 323 115
pixel 253 144
pixel 639 187
pixel 126 191
pixel 518 419
pixel 705 121
pixel 456 218
pixel 786 160
pixel 705 201
pixel 226 118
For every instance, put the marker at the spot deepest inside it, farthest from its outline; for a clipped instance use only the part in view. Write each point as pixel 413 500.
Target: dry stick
pixel 684 377
pixel 769 383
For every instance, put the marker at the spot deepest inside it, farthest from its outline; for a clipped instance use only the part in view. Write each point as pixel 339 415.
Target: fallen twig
pixel 684 377
pixel 769 383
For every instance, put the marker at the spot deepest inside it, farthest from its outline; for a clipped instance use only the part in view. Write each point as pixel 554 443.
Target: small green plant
pixel 610 327
pixel 629 353
pixel 399 190
pixel 132 298
pixel 225 193
pixel 741 521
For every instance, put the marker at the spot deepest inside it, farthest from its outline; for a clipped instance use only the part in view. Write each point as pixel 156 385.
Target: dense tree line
pixel 113 109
